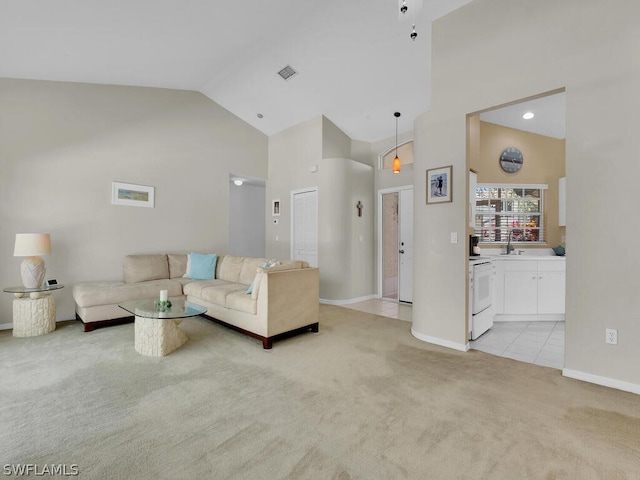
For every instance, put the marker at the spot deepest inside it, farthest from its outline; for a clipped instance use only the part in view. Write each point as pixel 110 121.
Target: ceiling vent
pixel 287 72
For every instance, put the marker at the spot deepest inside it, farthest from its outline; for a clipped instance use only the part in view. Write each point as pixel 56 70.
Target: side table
pixel 34 310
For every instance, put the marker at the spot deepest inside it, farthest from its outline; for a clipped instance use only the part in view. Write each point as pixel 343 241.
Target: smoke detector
pixel 287 72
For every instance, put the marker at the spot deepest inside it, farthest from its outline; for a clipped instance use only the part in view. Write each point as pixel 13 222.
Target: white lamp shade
pixel 32 245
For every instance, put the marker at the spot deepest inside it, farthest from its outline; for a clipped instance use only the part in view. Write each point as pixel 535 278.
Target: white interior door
pixel 304 231
pixel 405 251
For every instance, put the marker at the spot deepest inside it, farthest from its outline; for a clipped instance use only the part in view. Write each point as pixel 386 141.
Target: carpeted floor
pixel 362 399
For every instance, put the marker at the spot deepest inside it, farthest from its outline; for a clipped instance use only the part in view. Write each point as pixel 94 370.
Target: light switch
pixel 454 237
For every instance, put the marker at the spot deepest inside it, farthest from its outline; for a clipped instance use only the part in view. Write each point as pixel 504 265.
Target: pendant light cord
pixel 396 137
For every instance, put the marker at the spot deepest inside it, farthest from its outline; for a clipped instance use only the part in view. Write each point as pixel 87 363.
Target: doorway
pixel 246 216
pixel 528 331
pixel 395 241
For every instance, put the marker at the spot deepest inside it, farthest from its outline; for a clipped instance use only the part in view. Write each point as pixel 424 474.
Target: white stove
pixel 481 286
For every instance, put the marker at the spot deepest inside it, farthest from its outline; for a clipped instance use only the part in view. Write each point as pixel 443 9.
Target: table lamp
pixel 32 245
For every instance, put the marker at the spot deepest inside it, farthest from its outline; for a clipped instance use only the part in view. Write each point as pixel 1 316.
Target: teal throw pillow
pixel 203 267
pixel 265 265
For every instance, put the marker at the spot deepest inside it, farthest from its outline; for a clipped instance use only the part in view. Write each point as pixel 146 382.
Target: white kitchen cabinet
pixel 498 292
pixel 521 292
pixel 551 292
pixel 534 287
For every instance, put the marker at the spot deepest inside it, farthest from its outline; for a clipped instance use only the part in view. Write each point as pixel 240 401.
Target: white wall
pixel 291 154
pixel 346 241
pixel 491 52
pixel 345 262
pixel 247 220
pixel 61 146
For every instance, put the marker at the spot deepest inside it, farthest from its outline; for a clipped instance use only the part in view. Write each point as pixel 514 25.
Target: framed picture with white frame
pixel 275 209
pixel 132 195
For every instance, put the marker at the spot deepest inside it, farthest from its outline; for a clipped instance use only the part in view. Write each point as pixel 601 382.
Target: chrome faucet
pixel 510 248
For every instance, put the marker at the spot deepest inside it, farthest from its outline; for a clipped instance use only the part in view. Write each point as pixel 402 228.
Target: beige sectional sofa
pixel 284 299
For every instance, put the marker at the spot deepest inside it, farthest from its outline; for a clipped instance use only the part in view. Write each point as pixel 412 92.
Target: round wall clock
pixel 511 160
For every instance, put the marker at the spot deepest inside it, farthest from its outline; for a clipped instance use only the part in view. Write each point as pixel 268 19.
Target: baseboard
pixel 348 301
pixel 604 381
pixel 462 347
pixel 9 326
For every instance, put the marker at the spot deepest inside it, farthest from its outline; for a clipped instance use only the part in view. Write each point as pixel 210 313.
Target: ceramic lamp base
pixel 33 272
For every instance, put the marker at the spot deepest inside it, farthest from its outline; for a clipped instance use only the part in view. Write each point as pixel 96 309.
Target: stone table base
pixel 34 316
pixel 157 337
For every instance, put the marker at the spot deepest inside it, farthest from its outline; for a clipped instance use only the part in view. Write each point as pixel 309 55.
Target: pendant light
pixel 396 161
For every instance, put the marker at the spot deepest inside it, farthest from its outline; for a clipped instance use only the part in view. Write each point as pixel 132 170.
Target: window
pixel 503 209
pixel 405 153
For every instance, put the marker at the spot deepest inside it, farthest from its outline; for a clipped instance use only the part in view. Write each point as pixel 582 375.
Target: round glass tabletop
pixel 21 289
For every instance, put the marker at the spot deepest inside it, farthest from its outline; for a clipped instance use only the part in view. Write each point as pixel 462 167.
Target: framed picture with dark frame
pixel 439 185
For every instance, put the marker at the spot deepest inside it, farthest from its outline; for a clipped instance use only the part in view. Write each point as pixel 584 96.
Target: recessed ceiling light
pixel 238 181
pixel 260 115
pixel 528 115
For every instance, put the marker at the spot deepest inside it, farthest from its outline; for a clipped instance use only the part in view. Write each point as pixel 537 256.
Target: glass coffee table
pixel 156 328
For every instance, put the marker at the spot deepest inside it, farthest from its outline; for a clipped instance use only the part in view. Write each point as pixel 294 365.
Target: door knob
pixel 401 251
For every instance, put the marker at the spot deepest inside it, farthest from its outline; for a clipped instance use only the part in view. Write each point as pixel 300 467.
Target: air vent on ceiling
pixel 287 72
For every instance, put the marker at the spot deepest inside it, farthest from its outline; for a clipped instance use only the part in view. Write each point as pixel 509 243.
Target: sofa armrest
pixel 290 299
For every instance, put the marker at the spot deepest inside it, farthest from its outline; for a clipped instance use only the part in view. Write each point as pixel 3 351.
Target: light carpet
pixel 362 399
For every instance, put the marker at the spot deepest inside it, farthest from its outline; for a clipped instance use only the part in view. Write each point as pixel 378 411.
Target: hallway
pixel 385 308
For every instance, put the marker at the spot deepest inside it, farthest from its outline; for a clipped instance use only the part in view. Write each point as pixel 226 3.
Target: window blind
pixel 510 210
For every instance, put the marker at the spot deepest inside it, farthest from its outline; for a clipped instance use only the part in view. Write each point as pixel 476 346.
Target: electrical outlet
pixel 612 336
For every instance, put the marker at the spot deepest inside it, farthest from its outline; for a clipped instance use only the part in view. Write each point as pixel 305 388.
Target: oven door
pixel 482 287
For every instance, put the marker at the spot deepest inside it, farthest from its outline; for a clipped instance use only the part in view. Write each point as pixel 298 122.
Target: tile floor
pixel 385 308
pixel 541 343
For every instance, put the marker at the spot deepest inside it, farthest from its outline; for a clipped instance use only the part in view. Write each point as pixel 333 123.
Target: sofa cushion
pixel 202 266
pixel 141 268
pixel 242 302
pixel 106 293
pixel 177 264
pixel 249 267
pixel 218 293
pixel 255 283
pixel 231 268
pixel 194 288
pixel 290 265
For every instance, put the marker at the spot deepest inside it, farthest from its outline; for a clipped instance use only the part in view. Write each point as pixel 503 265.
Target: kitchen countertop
pixel 544 258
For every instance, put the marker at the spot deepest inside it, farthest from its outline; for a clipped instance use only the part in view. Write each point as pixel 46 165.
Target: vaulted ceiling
pixel 355 60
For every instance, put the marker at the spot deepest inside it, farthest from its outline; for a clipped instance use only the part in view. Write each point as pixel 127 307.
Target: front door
pixel 405 242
